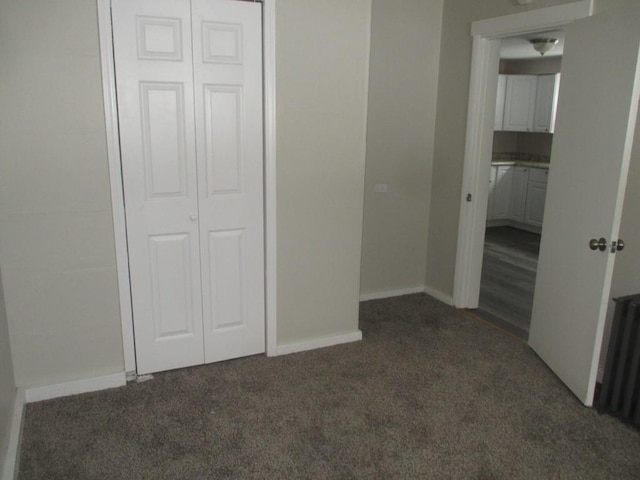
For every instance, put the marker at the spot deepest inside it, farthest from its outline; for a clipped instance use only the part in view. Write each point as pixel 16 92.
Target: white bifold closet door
pixel 189 85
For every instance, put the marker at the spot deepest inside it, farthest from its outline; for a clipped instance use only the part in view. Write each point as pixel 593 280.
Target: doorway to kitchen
pixel 527 94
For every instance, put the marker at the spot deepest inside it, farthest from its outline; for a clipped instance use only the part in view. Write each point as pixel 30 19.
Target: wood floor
pixel 508 278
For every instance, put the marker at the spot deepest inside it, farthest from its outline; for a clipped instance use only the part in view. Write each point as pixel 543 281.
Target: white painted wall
pixel 7 383
pixel 56 234
pixel 403 75
pixel 322 52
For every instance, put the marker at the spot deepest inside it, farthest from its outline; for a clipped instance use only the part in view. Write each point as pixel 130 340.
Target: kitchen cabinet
pixel 499 192
pixel 519 103
pixel 492 193
pixel 546 103
pixel 502 87
pixel 502 192
pixel 518 196
pixel 536 194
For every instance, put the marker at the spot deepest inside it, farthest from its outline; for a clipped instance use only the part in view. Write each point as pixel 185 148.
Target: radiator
pixel 620 391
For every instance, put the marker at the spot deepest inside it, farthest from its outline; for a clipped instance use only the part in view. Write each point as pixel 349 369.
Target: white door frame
pixel 117 191
pixel 479 138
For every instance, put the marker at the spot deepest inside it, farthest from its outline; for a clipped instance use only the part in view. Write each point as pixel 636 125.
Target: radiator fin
pixel 620 391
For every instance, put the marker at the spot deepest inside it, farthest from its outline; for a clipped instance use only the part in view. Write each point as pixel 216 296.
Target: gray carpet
pixel 428 393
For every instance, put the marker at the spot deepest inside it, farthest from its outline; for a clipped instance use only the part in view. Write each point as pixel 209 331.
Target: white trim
pixel 12 460
pixel 318 343
pixel 117 196
pixel 439 295
pixel 480 121
pixel 485 60
pixel 270 180
pixel 37 394
pixel 115 174
pixel 391 293
pixel 532 20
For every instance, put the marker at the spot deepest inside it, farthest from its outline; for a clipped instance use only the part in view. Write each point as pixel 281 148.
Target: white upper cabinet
pixel 520 101
pixel 546 103
pixel 502 87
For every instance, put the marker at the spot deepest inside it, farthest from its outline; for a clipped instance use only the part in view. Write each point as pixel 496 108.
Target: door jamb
pixel 105 34
pixel 479 137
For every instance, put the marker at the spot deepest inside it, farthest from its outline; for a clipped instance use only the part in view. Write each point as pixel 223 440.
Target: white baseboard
pixel 318 343
pixel 36 394
pixel 391 293
pixel 11 462
pixel 438 295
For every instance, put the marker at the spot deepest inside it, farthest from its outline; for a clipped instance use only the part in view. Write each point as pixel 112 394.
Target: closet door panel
pixel 227 51
pixel 154 77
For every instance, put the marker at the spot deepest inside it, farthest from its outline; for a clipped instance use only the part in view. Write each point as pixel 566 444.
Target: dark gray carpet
pixel 428 393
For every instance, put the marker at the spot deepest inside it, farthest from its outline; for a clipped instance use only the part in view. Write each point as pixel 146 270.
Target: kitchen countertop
pixel 521 163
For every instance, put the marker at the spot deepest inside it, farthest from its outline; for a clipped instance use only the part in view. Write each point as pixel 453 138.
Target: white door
pixel 227 53
pixel 191 149
pixel 591 150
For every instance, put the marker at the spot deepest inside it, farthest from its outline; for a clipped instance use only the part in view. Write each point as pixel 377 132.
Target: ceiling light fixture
pixel 543 45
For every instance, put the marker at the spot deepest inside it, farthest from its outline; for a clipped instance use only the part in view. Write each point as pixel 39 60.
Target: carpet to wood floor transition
pixel 428 393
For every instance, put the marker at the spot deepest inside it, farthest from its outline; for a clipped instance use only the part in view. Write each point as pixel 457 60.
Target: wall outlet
pixel 381 188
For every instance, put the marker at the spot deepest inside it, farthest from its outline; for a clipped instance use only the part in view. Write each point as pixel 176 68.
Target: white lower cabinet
pixel 536 193
pixel 499 192
pixel 492 193
pixel 517 196
pixel 502 192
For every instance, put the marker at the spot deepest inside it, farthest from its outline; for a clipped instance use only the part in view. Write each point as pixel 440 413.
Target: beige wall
pixel 627 266
pixel 451 118
pixel 56 233
pixel 453 89
pixel 322 66
pixel 7 383
pixel 403 75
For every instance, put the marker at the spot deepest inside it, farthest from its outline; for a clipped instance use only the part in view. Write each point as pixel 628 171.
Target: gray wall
pixel 7 383
pixel 451 118
pixel 322 66
pixel 403 75
pixel 453 88
pixel 626 279
pixel 56 234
